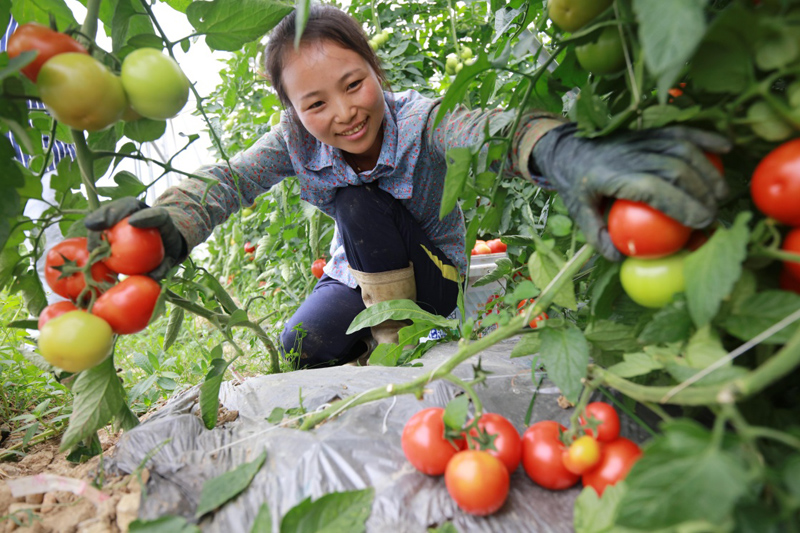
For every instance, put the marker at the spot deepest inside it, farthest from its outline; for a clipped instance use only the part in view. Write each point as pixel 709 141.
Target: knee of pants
pixel 352 202
pixel 309 350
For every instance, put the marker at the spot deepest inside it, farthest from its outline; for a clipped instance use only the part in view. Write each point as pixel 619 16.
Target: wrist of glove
pixel 665 168
pixel 141 216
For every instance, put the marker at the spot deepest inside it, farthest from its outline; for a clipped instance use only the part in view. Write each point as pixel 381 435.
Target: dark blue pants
pixel 379 235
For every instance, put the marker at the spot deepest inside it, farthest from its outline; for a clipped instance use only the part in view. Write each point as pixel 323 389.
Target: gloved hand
pixel 141 216
pixel 665 168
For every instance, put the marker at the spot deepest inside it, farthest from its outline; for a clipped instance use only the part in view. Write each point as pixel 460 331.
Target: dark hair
pixel 325 23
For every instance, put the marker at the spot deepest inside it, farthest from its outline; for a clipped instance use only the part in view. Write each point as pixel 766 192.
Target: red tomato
pixel 424 444
pixel 616 459
pixel 775 186
pixel 249 247
pixel 638 230
pixel 608 429
pixel 47 42
pixel 128 306
pixel 716 160
pixel 792 244
pixel 317 268
pixel 497 246
pixel 481 248
pixel 534 323
pixel 133 250
pixel 788 282
pixel 582 455
pixel 542 453
pixel 697 239
pixel 477 482
pixel 54 310
pixel 75 251
pixel 507 440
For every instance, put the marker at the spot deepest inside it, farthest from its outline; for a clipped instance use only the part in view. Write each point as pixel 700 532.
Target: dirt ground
pixel 65 512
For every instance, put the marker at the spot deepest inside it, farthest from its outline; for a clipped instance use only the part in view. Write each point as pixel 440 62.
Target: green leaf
pixel 338 512
pixel 397 310
pixel 220 292
pixel 173 327
pixel 164 524
pixel 209 392
pixel 145 130
pixel 606 288
pixel 219 490
pixel 385 355
pixel 565 353
pixel 711 271
pixel 559 225
pixel 503 268
pixel 24 324
pixel 455 94
pixel 682 477
pixel 527 345
pixel 129 19
pixel 671 323
pixel 127 185
pixel 776 44
pixel 590 110
pixel 681 373
pixel 447 527
pixel 543 270
pixel 762 311
pixel 594 514
pixel 704 348
pixel 635 364
pixel 263 521
pixel 611 336
pixel 98 396
pixel 42 10
pixel 102 141
pixel 669 33
pixel 723 62
pixel 658 116
pixel 455 414
pixel 458 164
pixel 230 24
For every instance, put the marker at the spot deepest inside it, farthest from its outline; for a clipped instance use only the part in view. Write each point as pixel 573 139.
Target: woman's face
pixel 337 97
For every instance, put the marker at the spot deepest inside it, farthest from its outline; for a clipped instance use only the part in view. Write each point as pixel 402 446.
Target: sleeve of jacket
pixel 197 205
pixel 464 127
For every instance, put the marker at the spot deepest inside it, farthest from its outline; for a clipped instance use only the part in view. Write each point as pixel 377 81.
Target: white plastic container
pixel 475 298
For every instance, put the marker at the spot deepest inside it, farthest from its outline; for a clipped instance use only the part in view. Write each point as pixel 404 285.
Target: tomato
pixel 605 55
pixel 477 482
pixel 466 53
pixel 424 444
pixel 73 250
pixel 534 323
pixel 775 186
pixel 697 239
pixel 249 247
pixel 788 282
pixel 542 452
pixel 156 86
pixel 481 248
pixel 317 268
pixel 791 243
pixel 75 341
pixel 133 250
pixel 616 459
pixel 81 92
pixel 653 282
pixel 571 15
pixel 54 310
pixel 716 160
pixel 507 441
pixel 582 455
pixel 638 230
pixel 46 42
pixel 496 246
pixel 128 306
pixel 766 123
pixel 607 416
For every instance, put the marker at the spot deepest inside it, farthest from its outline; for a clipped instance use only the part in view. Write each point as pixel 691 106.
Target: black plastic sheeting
pixel 358 449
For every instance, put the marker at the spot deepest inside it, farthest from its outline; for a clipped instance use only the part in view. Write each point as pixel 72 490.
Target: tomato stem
pixel 476 401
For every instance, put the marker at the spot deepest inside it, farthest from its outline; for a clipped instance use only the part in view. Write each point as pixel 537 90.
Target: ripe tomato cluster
pixel 477 465
pixel 77 334
pixel 494 246
pixel 84 94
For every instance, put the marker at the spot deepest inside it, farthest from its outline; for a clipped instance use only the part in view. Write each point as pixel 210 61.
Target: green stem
pixel 89 27
pixel 41 437
pixel 476 401
pixel 776 254
pixel 86 165
pixel 453 34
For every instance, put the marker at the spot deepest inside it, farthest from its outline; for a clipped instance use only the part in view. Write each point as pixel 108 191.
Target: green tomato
pixel 81 92
pixel 766 123
pixel 374 44
pixel 603 56
pixel 450 64
pixel 75 341
pixel 653 282
pixel 156 86
pixel 275 119
pixel 466 52
pixel 572 15
pixel 246 212
pixel 458 68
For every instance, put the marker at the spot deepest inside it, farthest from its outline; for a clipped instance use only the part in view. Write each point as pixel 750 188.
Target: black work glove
pixel 141 216
pixel 665 168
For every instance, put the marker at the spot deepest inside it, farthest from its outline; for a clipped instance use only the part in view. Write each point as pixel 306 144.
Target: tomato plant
pixel 605 55
pixel 542 452
pixel 54 310
pixel 128 306
pixel 477 481
pixel 791 243
pixel 607 419
pixel 534 323
pixel 653 282
pixel 133 250
pixel 81 92
pixel 582 455
pixel 616 459
pixel 638 230
pixel 775 185
pixel 72 252
pixel 47 42
pixel 572 15
pixel 506 439
pixel 156 86
pixel 424 443
pixel 75 341
pixel 317 268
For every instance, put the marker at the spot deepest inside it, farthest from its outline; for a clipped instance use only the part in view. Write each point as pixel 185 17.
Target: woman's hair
pixel 325 23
